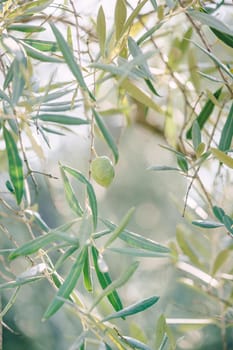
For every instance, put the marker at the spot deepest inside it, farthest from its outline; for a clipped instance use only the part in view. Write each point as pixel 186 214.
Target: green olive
pixel 102 171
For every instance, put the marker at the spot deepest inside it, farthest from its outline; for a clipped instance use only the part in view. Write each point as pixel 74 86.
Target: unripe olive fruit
pixel 102 171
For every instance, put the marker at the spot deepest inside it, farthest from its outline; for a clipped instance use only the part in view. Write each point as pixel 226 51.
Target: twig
pixel 77 30
pixel 215 126
pixel 42 173
pixel 204 41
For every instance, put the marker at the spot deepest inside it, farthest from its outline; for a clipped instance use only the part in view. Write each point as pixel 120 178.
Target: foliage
pixel 165 66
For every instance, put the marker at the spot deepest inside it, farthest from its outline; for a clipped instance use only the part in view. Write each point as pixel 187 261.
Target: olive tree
pixel 166 67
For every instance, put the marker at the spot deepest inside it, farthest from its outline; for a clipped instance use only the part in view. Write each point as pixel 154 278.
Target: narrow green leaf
pixel 162 168
pixel 19 66
pixel 79 176
pixel 228 223
pixel 151 87
pixel 160 331
pixel 106 134
pixel 200 151
pixel 210 8
pixel 221 258
pixel 139 253
pixel 105 280
pixel 137 332
pixel 154 4
pixel 215 60
pixel 59 108
pixel 226 38
pixel 37 219
pixel 219 213
pixel 120 17
pixel 222 157
pixel 102 233
pixel 182 162
pixel 42 45
pixel 171 337
pixel 164 343
pixel 210 21
pixel 69 37
pixel 43 134
pixel 70 60
pixel 139 59
pixel 26 28
pixel 64 257
pixel 132 68
pixel 193 68
pixel 126 69
pixel 149 33
pixel 9 77
pixel 70 195
pixel 71 104
pixel 116 284
pixel 30 8
pixel 117 231
pixel 15 165
pixel 196 134
pixel 186 248
pixel 90 192
pixel 40 242
pixel 135 344
pixel 185 42
pixel 13 125
pixel 138 241
pixel 68 286
pixel 140 95
pixel 38 55
pixel 15 284
pixel 227 132
pixel 18 81
pixel 175 54
pixel 61 119
pixel 65 227
pixel 101 30
pixel 61 103
pixel 211 78
pixel 83 346
pixel 133 309
pixel 9 186
pixel 207 223
pixel 179 47
pixel 205 113
pixel 107 346
pixel 50 131
pixel 132 17
pixel 173 150
pixel 49 97
pixel 136 51
pixel 93 204
pixel 87 276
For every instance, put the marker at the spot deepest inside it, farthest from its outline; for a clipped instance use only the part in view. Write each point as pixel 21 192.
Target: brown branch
pixel 205 43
